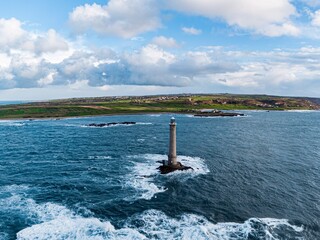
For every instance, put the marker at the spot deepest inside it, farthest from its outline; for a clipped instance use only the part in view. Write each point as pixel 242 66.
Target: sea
pixel 12 102
pixel 254 177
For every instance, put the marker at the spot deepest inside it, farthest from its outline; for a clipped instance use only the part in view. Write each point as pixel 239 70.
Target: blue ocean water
pixel 255 177
pixel 12 102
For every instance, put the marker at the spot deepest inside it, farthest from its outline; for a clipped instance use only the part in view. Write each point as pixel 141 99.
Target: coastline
pixel 160 104
pixel 147 113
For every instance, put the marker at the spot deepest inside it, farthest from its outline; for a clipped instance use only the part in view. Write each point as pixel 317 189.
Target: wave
pixel 144 123
pixel 151 224
pixel 116 125
pixel 302 111
pixel 219 117
pixel 54 221
pixel 12 123
pixel 100 157
pixel 155 224
pixel 146 179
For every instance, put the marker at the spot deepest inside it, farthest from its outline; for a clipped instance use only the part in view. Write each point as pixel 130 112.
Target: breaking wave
pixel 118 125
pixel 100 157
pixel 155 224
pixel 12 123
pixel 146 179
pixel 54 221
pixel 302 111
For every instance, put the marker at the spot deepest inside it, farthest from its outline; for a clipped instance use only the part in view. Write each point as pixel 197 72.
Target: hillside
pixel 184 103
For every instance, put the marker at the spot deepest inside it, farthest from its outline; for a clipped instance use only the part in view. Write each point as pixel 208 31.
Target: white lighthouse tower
pixel 172 164
pixel 172 156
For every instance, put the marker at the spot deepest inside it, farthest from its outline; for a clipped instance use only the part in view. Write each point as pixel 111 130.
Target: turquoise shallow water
pixel 12 102
pixel 255 177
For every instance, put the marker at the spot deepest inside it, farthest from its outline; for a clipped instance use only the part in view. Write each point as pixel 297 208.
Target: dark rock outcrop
pixel 165 168
pixel 218 114
pixel 110 124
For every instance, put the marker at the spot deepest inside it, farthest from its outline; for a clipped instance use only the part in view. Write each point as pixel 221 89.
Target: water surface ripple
pixel 255 177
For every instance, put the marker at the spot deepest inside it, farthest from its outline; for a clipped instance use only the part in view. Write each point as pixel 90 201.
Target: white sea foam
pixel 14 188
pixel 144 123
pixel 141 178
pixel 302 111
pixel 115 125
pixel 100 157
pixel 219 117
pixel 54 221
pixel 146 179
pixel 77 228
pixel 12 123
pixel 155 224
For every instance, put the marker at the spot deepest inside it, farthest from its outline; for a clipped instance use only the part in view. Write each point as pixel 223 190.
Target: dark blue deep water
pixel 255 177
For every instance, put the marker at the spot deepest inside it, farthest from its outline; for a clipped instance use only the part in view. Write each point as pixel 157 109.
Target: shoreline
pixel 159 104
pixel 147 113
pixel 87 116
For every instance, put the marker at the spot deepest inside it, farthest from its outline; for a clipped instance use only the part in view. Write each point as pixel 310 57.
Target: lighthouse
pixel 172 156
pixel 172 164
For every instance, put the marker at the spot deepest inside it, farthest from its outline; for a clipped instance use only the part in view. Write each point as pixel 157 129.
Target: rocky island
pixel 110 124
pixel 216 113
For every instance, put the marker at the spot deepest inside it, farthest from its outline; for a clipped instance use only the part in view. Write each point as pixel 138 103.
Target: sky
pixel 84 48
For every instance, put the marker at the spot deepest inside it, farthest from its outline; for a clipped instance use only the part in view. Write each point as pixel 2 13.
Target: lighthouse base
pixel 165 168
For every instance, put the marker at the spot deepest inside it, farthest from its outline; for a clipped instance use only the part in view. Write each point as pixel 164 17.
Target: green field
pixel 153 104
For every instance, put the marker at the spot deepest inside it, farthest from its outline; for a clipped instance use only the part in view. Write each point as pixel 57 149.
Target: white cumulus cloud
pixel 11 32
pixel 51 42
pixel 316 19
pixel 270 18
pixel 191 30
pixel 165 42
pixel 37 60
pixel 122 18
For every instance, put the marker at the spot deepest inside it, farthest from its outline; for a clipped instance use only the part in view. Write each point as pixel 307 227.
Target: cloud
pixel 153 66
pixel 122 18
pixel 14 36
pixel 196 63
pixel 270 18
pixel 316 19
pixel 25 55
pixel 150 65
pixel 312 3
pixel 10 31
pixel 127 19
pixel 38 60
pixel 165 42
pixel 276 30
pixel 191 30
pixel 276 72
pixel 51 42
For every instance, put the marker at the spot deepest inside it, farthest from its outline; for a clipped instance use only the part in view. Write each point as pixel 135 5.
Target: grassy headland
pixel 184 103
